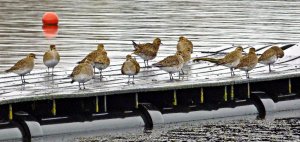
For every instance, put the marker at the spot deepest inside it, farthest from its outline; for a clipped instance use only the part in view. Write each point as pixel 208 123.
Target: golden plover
pixel 248 62
pixel 23 66
pixel 147 51
pixel 270 56
pixel 130 67
pixel 171 64
pixel 51 58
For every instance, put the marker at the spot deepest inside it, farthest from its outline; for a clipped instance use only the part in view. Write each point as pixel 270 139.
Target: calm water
pixel 115 23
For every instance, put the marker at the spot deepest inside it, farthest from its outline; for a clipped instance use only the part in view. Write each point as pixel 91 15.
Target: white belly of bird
pixel 82 78
pixel 22 71
pixel 51 63
pixel 130 72
pixel 232 64
pixel 101 66
pixel 172 69
pixel 248 68
pixel 271 60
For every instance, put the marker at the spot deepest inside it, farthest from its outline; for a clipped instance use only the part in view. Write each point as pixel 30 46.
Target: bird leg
pixel 22 79
pixel 128 79
pixel 83 86
pixel 48 71
pixel 270 68
pixel 145 63
pixel 232 72
pixel 148 64
pixel 182 72
pixel 133 79
pixel 101 75
pixel 79 86
pixel 171 76
pixel 247 74
pixel 52 71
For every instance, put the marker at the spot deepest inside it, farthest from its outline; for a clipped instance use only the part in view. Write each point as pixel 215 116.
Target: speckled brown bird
pixel 230 60
pixel 270 56
pixel 102 62
pixel 83 72
pixel 51 58
pixel 23 66
pixel 186 55
pixel 131 68
pixel 248 62
pixel 92 56
pixel 147 51
pixel 171 64
pixel 184 43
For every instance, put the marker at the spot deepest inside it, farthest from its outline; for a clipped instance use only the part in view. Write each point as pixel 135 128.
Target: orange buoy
pixel 50 18
pixel 50 31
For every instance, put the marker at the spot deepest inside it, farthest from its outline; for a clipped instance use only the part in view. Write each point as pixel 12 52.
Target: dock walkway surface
pixel 43 86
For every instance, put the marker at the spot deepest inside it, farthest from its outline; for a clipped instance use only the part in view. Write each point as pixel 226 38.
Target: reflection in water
pixel 50 31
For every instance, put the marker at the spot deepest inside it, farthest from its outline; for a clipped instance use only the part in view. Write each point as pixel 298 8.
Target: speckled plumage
pixel 51 58
pixel 92 56
pixel 270 56
pixel 248 62
pixel 82 73
pixel 171 64
pixel 184 43
pixel 147 51
pixel 230 60
pixel 102 62
pixel 130 67
pixel 23 66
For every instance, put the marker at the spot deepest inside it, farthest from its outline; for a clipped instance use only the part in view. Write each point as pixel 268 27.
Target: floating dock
pixel 51 105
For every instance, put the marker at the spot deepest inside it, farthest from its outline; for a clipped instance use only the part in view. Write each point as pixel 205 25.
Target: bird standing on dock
pixel 186 55
pixel 102 62
pixel 51 58
pixel 93 55
pixel 130 67
pixel 147 51
pixel 248 62
pixel 171 64
pixel 83 72
pixel 270 56
pixel 23 66
pixel 230 60
pixel 184 43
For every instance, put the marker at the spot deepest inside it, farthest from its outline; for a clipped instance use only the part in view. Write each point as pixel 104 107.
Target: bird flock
pixel 85 70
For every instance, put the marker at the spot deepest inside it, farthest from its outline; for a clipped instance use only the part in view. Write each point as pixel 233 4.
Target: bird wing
pixel 168 61
pixel 77 70
pixel 142 47
pixel 20 64
pixel 229 58
pixel 267 54
pixel 122 68
pixel 91 55
pixel 243 62
pixel 137 65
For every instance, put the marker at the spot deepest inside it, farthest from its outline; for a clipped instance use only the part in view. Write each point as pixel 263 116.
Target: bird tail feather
pixel 134 45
